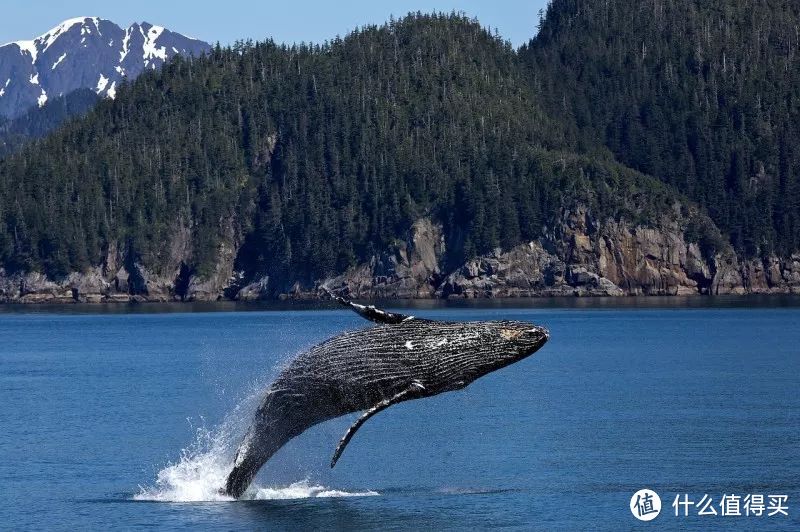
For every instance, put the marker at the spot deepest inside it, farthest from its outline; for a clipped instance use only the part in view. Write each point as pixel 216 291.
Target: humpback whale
pixel 398 359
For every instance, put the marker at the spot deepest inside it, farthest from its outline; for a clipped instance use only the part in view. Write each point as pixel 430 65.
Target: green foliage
pixel 312 157
pixel 703 95
pixel 38 121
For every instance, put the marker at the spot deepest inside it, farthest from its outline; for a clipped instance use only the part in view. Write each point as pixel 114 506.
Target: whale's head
pixel 491 346
pixel 511 341
pixel 518 339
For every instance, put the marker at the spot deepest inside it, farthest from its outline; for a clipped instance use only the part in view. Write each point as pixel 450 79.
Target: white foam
pixel 302 490
pixel 196 477
pixel 203 469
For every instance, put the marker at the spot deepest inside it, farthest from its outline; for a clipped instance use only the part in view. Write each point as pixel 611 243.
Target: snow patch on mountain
pixel 59 61
pixel 101 84
pixel 27 46
pixel 101 54
pixel 49 38
pixel 125 41
pixel 150 49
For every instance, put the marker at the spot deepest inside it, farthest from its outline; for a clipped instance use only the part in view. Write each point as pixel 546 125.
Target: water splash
pixel 302 490
pixel 203 468
pixel 198 475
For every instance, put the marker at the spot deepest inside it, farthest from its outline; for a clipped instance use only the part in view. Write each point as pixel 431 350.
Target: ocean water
pixel 129 420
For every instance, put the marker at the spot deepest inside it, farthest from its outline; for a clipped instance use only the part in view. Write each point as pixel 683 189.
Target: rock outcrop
pixel 578 256
pixel 122 278
pixel 409 269
pixel 525 271
pixel 582 256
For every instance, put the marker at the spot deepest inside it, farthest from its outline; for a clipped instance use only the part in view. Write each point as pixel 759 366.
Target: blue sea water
pixel 129 420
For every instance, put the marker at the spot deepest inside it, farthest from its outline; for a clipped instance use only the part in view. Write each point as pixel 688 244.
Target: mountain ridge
pixel 83 52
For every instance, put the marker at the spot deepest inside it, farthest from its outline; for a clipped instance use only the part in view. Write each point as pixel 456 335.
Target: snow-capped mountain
pixel 85 52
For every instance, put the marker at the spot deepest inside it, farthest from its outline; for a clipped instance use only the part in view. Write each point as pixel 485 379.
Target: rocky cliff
pixel 579 256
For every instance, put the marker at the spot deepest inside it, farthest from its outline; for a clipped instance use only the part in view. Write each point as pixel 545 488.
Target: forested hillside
pixel 393 157
pixel 703 95
pixel 38 121
pixel 314 157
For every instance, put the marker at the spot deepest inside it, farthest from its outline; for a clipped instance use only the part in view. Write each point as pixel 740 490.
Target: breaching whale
pixel 400 358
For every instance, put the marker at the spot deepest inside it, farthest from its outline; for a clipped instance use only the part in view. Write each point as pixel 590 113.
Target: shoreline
pixel 643 302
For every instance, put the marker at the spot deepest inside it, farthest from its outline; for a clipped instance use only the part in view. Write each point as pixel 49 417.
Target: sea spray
pixel 300 490
pixel 203 467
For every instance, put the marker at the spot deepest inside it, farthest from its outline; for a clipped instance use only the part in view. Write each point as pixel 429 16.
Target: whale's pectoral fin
pixel 416 389
pixel 371 312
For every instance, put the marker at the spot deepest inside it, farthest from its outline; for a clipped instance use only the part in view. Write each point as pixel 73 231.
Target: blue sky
pixel 291 21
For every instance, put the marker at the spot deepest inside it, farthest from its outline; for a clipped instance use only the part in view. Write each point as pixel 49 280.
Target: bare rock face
pixel 88 287
pixel 648 261
pixel 578 256
pixel 32 287
pixel 148 285
pixel 581 256
pixel 211 287
pixel 772 275
pixel 121 279
pixel 409 269
pixel 790 273
pixel 525 271
pixel 254 291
